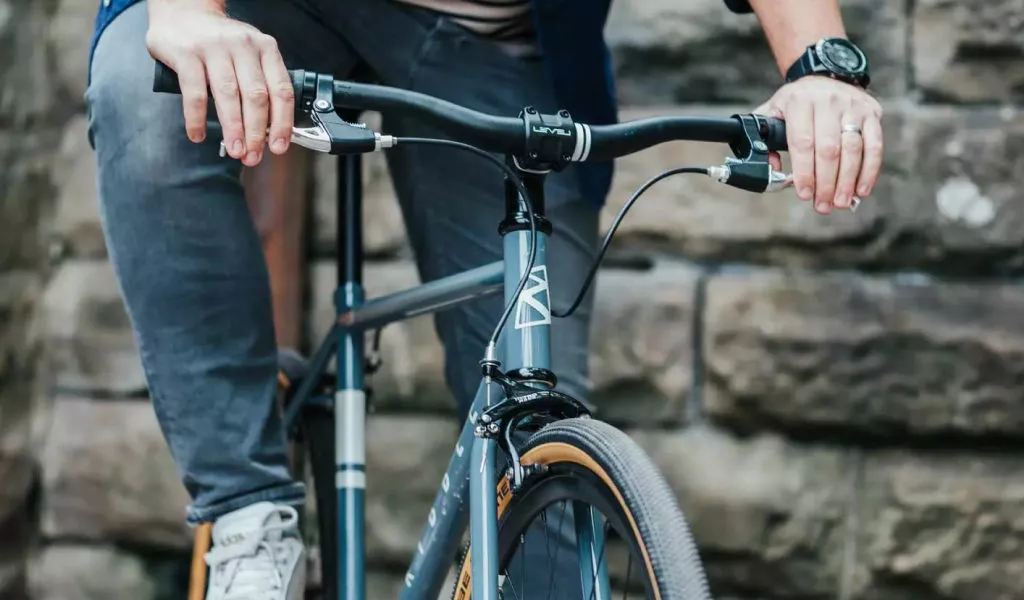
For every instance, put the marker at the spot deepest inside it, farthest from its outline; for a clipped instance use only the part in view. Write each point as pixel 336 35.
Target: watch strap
pixel 809 64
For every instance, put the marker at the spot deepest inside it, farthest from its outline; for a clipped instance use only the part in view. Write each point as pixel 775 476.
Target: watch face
pixel 841 55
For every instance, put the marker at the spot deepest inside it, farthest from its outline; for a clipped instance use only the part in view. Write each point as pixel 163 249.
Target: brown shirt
pixel 507 22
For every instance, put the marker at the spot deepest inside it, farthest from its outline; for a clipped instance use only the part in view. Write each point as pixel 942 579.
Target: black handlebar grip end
pixel 775 136
pixel 165 81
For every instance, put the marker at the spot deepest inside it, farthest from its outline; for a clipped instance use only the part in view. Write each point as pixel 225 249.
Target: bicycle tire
pixel 671 560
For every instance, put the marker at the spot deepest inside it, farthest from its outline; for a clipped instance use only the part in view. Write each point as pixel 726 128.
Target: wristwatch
pixel 833 57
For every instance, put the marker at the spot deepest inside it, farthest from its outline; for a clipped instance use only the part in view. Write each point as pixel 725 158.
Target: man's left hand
pixel 834 133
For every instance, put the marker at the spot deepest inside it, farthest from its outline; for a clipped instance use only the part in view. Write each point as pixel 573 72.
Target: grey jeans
pixel 190 266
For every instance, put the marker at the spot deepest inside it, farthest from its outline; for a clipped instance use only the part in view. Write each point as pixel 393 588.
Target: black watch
pixel 833 57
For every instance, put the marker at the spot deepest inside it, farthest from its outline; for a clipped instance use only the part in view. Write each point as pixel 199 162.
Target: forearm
pixel 792 25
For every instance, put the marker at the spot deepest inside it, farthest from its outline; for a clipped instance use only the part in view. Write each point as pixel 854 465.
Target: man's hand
pixel 831 160
pixel 244 68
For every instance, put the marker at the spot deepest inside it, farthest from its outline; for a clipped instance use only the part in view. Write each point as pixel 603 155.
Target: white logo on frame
pixel 534 306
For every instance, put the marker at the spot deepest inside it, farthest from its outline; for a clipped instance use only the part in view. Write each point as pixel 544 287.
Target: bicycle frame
pixel 525 343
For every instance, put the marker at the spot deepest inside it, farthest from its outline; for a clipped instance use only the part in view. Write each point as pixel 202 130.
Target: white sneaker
pixel 257 554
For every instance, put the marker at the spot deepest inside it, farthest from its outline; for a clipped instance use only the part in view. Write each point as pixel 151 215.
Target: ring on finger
pixel 851 128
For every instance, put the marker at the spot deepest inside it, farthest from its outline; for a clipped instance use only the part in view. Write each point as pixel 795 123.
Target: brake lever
pixel 317 139
pixel 750 169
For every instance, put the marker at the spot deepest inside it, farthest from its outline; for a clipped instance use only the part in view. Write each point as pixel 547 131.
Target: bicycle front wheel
pixel 598 475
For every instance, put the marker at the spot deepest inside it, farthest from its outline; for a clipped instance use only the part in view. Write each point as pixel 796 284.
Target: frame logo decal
pixel 534 306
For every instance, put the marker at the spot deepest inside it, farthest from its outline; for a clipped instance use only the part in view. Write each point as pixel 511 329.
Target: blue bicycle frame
pixel 525 344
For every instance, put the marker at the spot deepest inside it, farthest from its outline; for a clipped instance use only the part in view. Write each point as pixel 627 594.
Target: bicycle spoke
pixel 551 578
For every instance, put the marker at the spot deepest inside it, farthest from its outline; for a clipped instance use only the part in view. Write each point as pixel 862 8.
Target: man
pixel 187 257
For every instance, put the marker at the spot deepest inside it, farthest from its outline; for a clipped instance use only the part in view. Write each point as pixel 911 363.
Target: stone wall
pixel 835 399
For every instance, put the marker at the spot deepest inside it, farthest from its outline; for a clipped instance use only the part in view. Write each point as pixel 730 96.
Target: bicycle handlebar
pixel 509 135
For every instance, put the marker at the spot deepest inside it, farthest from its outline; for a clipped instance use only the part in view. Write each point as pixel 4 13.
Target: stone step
pixel 829 354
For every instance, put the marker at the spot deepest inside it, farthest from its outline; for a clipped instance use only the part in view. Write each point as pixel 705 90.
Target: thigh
pixel 453 201
pixel 178 229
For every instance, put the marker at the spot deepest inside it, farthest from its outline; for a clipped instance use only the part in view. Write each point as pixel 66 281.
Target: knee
pixel 137 134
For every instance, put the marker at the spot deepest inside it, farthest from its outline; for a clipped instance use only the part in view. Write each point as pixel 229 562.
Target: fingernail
pixel 841 201
pixel 863 191
pixel 237 147
pixel 252 158
pixel 824 208
pixel 804 193
pixel 277 145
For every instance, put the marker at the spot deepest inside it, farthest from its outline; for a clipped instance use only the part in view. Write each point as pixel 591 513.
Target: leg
pixel 192 275
pixel 452 203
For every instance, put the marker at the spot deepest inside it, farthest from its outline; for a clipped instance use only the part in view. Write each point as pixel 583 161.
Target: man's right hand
pixel 243 66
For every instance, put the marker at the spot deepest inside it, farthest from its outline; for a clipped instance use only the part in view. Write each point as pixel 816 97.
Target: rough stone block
pixel 666 51
pixel 27 87
pixel 26 192
pixel 89 337
pixel 77 215
pixel 641 344
pixel 86 572
pixel 867 356
pixel 943 525
pixel 946 202
pixel 19 390
pixel 108 475
pixel 969 51
pixel 70 33
pixel 406 457
pixel 768 515
pixel 383 229
pixel 956 205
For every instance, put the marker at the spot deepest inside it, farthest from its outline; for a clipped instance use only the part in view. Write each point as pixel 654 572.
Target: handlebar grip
pixel 775 136
pixel 165 80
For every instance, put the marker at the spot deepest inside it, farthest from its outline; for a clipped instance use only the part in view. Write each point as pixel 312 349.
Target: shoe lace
pixel 252 568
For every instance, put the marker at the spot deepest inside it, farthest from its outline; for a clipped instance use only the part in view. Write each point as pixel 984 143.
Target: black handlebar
pixel 511 135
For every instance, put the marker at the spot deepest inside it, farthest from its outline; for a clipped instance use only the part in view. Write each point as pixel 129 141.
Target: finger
pixel 255 99
pixel 850 159
pixel 282 95
pixel 224 86
pixel 800 140
pixel 775 161
pixel 827 149
pixel 873 150
pixel 192 81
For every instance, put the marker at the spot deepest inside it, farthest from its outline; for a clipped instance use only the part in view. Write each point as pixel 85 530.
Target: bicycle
pixel 568 455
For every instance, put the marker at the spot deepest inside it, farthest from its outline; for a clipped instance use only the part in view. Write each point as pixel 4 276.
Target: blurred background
pixel 838 401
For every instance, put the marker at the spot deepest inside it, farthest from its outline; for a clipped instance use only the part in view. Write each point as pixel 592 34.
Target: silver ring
pixel 850 128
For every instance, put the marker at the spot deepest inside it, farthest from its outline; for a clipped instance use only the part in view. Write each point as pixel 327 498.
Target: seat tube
pixel 350 396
